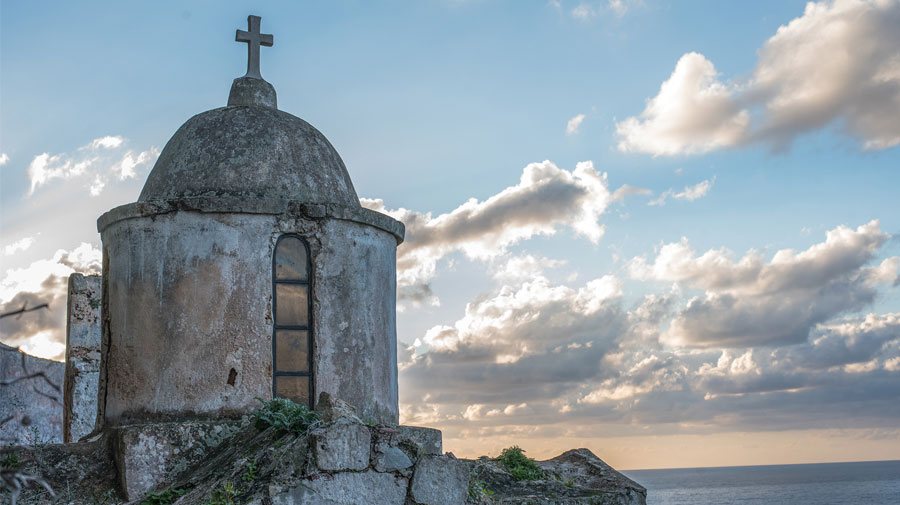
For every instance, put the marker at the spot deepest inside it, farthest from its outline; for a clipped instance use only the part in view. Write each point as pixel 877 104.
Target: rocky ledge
pixel 335 459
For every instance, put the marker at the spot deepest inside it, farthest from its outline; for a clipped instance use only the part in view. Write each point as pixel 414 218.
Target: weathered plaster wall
pixel 30 408
pixel 189 299
pixel 83 334
pixel 356 302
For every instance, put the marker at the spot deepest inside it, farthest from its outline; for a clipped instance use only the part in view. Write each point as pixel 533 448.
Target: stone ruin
pixel 246 271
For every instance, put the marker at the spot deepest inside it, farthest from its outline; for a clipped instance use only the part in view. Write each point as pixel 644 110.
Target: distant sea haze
pixel 866 483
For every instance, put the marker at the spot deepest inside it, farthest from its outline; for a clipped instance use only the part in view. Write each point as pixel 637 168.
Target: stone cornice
pixel 226 205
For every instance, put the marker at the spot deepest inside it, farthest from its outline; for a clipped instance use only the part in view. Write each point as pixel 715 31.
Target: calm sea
pixel 869 483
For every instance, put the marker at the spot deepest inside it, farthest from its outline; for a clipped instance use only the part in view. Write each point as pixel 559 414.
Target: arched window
pixel 292 339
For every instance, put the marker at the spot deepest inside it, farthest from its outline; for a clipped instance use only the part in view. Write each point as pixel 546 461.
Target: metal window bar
pixel 308 328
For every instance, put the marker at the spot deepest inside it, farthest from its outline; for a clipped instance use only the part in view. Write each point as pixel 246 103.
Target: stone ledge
pixel 232 205
pixel 147 455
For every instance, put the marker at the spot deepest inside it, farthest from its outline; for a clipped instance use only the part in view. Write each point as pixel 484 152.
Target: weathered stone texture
pixel 346 489
pixel 147 455
pixel 576 477
pixel 390 459
pixel 356 279
pixel 79 473
pixel 171 350
pixel 83 336
pixel 342 445
pixel 250 152
pixel 245 463
pixel 440 480
pixel 252 92
pixel 33 406
pixel 425 440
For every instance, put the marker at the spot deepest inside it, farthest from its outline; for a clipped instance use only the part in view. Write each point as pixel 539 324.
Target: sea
pixel 866 483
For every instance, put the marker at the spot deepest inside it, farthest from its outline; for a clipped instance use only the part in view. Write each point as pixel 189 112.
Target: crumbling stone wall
pixel 30 398
pixel 82 356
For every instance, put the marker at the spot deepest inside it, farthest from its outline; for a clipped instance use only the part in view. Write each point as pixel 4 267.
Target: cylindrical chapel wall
pixel 188 329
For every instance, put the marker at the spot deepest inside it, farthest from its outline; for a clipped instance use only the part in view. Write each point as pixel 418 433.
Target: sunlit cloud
pixel 750 301
pixel 574 123
pixel 42 332
pixel 804 80
pixel 689 193
pixel 18 246
pixel 546 199
pixel 93 164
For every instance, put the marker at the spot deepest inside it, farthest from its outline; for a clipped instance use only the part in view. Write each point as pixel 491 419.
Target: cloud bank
pixel 546 199
pixel 837 64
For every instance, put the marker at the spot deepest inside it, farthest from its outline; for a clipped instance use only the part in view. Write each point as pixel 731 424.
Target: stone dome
pixel 252 150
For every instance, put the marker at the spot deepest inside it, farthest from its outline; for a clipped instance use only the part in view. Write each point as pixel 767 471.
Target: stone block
pixel 342 445
pixel 440 480
pixel 390 459
pixel 425 440
pixel 347 488
pixel 29 406
pixel 147 454
pixel 82 372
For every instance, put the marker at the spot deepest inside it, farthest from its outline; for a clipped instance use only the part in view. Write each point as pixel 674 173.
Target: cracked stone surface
pixel 342 446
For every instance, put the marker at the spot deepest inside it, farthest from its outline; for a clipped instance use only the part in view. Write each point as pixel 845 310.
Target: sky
pixel 665 231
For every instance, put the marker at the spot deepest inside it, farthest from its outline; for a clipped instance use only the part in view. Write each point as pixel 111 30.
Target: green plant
pixel 225 495
pixel 518 465
pixel 11 461
pixel 284 415
pixel 249 473
pixel 478 489
pixel 166 497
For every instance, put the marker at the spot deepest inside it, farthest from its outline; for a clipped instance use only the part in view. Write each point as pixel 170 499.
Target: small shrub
pixel 10 461
pixel 249 473
pixel 167 497
pixel 284 415
pixel 518 465
pixel 478 490
pixel 225 495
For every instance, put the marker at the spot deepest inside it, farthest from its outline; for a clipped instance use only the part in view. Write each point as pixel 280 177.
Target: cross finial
pixel 254 39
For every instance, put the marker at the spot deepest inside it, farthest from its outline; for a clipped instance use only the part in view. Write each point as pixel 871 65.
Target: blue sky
pixel 432 103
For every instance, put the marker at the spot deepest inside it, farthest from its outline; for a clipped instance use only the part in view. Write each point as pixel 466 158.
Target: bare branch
pixel 25 308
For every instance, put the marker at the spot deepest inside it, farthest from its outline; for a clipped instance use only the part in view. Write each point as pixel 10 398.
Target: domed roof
pixel 250 149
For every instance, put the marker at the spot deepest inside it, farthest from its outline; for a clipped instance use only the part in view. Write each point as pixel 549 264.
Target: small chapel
pixel 247 270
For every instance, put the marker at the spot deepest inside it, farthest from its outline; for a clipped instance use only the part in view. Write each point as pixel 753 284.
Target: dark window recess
pixel 232 376
pixel 292 339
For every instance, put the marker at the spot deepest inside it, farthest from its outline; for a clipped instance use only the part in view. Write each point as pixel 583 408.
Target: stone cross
pixel 254 39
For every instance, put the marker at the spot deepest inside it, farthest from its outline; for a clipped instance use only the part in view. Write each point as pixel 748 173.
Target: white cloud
pixel 689 193
pixel 753 302
pixel 693 113
pixel 546 199
pixel 125 168
pixel 697 191
pixel 805 79
pixel 520 268
pixel 107 142
pixel 93 163
pixel 524 341
pixel 4 159
pixel 574 123
pixel 837 62
pixel 584 11
pixel 42 332
pixel 19 245
pixel 619 7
